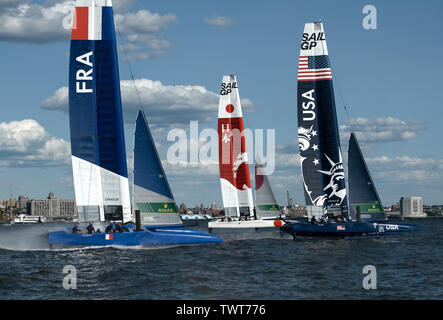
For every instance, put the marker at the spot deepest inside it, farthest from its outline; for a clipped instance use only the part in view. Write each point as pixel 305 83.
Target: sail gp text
pixel 222 310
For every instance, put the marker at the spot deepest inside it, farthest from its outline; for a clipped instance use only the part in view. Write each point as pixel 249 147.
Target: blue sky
pixel 388 77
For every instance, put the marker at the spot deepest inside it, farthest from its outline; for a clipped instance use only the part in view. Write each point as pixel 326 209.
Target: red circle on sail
pixel 230 108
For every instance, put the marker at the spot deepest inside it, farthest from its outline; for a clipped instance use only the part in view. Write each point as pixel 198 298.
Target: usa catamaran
pixel 234 167
pixel 323 174
pixel 98 149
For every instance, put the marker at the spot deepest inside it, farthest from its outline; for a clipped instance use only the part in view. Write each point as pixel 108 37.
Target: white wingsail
pixel 233 157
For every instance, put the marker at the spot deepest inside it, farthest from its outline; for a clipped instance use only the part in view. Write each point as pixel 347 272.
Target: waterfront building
pixel 411 207
pixel 22 204
pixel 53 208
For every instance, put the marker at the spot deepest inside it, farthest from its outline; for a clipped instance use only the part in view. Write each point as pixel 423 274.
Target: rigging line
pixel 129 65
pixel 343 100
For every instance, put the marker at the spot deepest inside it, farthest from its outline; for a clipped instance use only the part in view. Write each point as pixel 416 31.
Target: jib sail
pixel 152 194
pixel 362 191
pixel 265 201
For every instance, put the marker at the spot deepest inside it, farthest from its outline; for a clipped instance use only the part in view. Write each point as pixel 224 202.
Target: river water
pixel 251 266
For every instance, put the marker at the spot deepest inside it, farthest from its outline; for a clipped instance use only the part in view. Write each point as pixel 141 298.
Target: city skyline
pixel 179 56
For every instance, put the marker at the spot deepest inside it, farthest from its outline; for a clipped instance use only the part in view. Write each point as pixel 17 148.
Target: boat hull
pixel 243 226
pixel 147 237
pixel 351 229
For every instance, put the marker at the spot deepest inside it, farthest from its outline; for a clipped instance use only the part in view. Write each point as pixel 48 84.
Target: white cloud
pixel 144 22
pixel 31 22
pixel 218 21
pixel 165 105
pixel 382 129
pixel 27 21
pixel 26 143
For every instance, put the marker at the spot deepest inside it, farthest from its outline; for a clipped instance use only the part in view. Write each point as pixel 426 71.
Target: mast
pixel 152 194
pixel 319 143
pixel 95 113
pixel 362 190
pixel 233 158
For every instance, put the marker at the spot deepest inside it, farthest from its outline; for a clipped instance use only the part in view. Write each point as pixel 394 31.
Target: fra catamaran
pixel 234 168
pixel 323 174
pixel 98 148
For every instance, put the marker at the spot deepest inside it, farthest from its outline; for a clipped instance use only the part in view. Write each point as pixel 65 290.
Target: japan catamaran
pixel 234 167
pixel 98 149
pixel 323 174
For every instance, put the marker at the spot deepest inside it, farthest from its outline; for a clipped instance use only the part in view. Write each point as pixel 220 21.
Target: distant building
pixel 411 207
pixel 22 204
pixel 53 208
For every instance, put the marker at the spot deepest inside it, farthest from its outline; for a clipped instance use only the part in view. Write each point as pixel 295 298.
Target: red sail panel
pixel 80 24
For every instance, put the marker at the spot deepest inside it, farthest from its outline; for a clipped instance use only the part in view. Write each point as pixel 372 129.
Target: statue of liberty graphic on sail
pixel 334 191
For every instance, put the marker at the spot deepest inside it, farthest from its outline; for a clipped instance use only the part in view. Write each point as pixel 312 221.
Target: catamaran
pixel 323 174
pixel 233 165
pixel 98 148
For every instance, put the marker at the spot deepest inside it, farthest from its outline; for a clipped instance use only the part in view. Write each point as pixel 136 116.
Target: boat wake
pixel 27 237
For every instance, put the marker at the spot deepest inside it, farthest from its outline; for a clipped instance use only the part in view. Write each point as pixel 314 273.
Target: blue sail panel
pixel 148 170
pixel 95 107
pixel 151 192
pixel 362 191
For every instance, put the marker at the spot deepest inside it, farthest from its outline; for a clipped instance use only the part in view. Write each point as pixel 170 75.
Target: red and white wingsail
pixel 233 158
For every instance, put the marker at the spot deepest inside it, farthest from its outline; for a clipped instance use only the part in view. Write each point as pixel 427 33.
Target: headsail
pixel 319 143
pixel 362 191
pixel 95 112
pixel 233 158
pixel 265 201
pixel 151 192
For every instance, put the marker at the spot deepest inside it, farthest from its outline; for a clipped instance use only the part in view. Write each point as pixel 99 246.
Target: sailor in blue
pixel 90 228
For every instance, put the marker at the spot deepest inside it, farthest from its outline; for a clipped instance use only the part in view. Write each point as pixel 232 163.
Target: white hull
pixel 239 225
pixel 25 219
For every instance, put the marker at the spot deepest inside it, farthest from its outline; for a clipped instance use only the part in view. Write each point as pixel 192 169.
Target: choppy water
pixel 255 266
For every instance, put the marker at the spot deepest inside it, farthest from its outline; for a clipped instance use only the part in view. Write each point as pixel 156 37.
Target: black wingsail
pixel 362 191
pixel 319 143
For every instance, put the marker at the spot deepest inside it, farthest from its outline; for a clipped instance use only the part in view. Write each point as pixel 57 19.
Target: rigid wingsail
pixel 95 113
pixel 233 158
pixel 319 143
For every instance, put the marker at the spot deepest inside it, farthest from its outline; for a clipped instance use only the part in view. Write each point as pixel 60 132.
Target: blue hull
pixel 350 229
pixel 151 237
